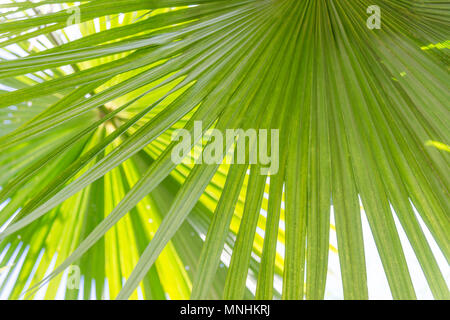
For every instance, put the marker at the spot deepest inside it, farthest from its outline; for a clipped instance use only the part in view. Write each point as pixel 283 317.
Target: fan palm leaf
pixel 87 115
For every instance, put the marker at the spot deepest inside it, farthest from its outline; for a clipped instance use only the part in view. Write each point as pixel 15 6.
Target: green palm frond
pixel 87 113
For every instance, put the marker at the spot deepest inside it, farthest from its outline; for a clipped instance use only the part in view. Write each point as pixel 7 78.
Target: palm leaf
pixel 87 113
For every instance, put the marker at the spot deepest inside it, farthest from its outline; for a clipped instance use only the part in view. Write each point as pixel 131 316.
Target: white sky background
pixel 377 282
